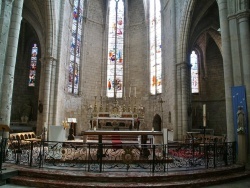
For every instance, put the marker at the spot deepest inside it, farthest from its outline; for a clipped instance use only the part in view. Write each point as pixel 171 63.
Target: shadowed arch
pixel 157 122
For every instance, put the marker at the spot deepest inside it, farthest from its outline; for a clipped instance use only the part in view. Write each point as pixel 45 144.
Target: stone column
pixel 185 99
pixel 182 97
pixel 243 21
pixel 174 67
pixel 5 20
pixel 45 93
pixel 236 59
pixel 227 66
pixel 45 89
pixel 242 148
pixel 10 62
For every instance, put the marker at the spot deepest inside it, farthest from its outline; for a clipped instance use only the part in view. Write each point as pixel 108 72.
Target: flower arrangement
pixel 241 130
pixel 65 124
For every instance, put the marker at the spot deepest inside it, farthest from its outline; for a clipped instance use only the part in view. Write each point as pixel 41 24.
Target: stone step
pixel 95 182
pixel 66 177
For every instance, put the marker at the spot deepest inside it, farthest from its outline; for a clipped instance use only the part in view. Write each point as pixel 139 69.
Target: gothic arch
pixel 184 30
pixel 157 122
pixel 217 38
pixel 36 21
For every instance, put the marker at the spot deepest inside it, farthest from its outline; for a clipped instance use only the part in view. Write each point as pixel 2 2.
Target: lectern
pixel 3 128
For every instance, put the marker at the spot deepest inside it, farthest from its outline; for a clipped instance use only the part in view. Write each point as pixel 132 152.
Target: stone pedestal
pixel 242 149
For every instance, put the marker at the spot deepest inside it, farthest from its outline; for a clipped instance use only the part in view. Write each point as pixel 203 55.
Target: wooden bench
pixel 22 135
pixel 201 139
pixel 17 140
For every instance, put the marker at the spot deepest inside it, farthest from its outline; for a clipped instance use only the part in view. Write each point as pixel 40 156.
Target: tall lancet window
pixel 75 47
pixel 33 62
pixel 194 73
pixel 155 47
pixel 115 49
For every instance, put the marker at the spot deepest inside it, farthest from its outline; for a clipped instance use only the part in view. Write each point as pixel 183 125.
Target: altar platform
pixel 140 137
pixel 34 177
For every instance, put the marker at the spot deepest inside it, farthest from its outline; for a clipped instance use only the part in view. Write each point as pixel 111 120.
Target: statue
pixel 240 119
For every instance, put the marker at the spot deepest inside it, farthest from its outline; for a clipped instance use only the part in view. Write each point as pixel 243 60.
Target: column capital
pixel 47 59
pixel 243 14
pixel 240 15
pixel 183 64
pixel 232 17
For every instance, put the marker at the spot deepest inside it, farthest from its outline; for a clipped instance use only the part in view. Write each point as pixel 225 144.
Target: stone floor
pixel 245 183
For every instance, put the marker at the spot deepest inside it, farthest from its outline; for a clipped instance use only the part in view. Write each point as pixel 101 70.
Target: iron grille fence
pixel 94 157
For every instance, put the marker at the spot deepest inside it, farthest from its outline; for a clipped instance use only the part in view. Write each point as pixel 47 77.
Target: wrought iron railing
pixel 94 157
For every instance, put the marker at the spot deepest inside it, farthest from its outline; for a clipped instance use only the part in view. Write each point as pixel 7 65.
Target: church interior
pixel 158 73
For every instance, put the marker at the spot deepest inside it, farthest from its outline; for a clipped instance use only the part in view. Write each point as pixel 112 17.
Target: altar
pixel 116 116
pixel 115 123
pixel 102 133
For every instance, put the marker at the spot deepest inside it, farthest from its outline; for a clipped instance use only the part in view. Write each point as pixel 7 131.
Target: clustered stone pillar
pixel 243 20
pixel 5 20
pixel 227 65
pixel 235 40
pixel 182 99
pixel 242 149
pixel 10 61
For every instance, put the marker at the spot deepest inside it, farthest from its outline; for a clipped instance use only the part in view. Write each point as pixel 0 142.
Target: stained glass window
pixel 155 47
pixel 115 49
pixel 33 62
pixel 194 73
pixel 75 47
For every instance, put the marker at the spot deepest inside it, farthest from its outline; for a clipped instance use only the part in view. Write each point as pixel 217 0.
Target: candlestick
pixel 204 121
pixel 96 89
pixel 45 123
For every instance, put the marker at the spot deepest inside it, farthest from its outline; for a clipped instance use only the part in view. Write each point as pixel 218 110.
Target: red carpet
pixel 186 153
pixel 116 141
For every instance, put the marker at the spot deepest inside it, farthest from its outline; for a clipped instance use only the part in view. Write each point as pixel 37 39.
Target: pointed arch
pixel 157 122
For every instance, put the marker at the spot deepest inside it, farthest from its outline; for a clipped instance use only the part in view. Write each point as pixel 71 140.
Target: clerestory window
pixel 194 73
pixel 75 47
pixel 115 49
pixel 33 63
pixel 155 47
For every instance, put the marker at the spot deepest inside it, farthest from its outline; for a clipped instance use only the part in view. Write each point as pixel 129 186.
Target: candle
pixel 153 129
pixel 135 91
pixel 204 115
pixel 129 91
pixel 94 128
pixel 204 110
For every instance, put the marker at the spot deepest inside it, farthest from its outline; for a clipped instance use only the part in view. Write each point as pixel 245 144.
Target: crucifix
pixel 161 102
